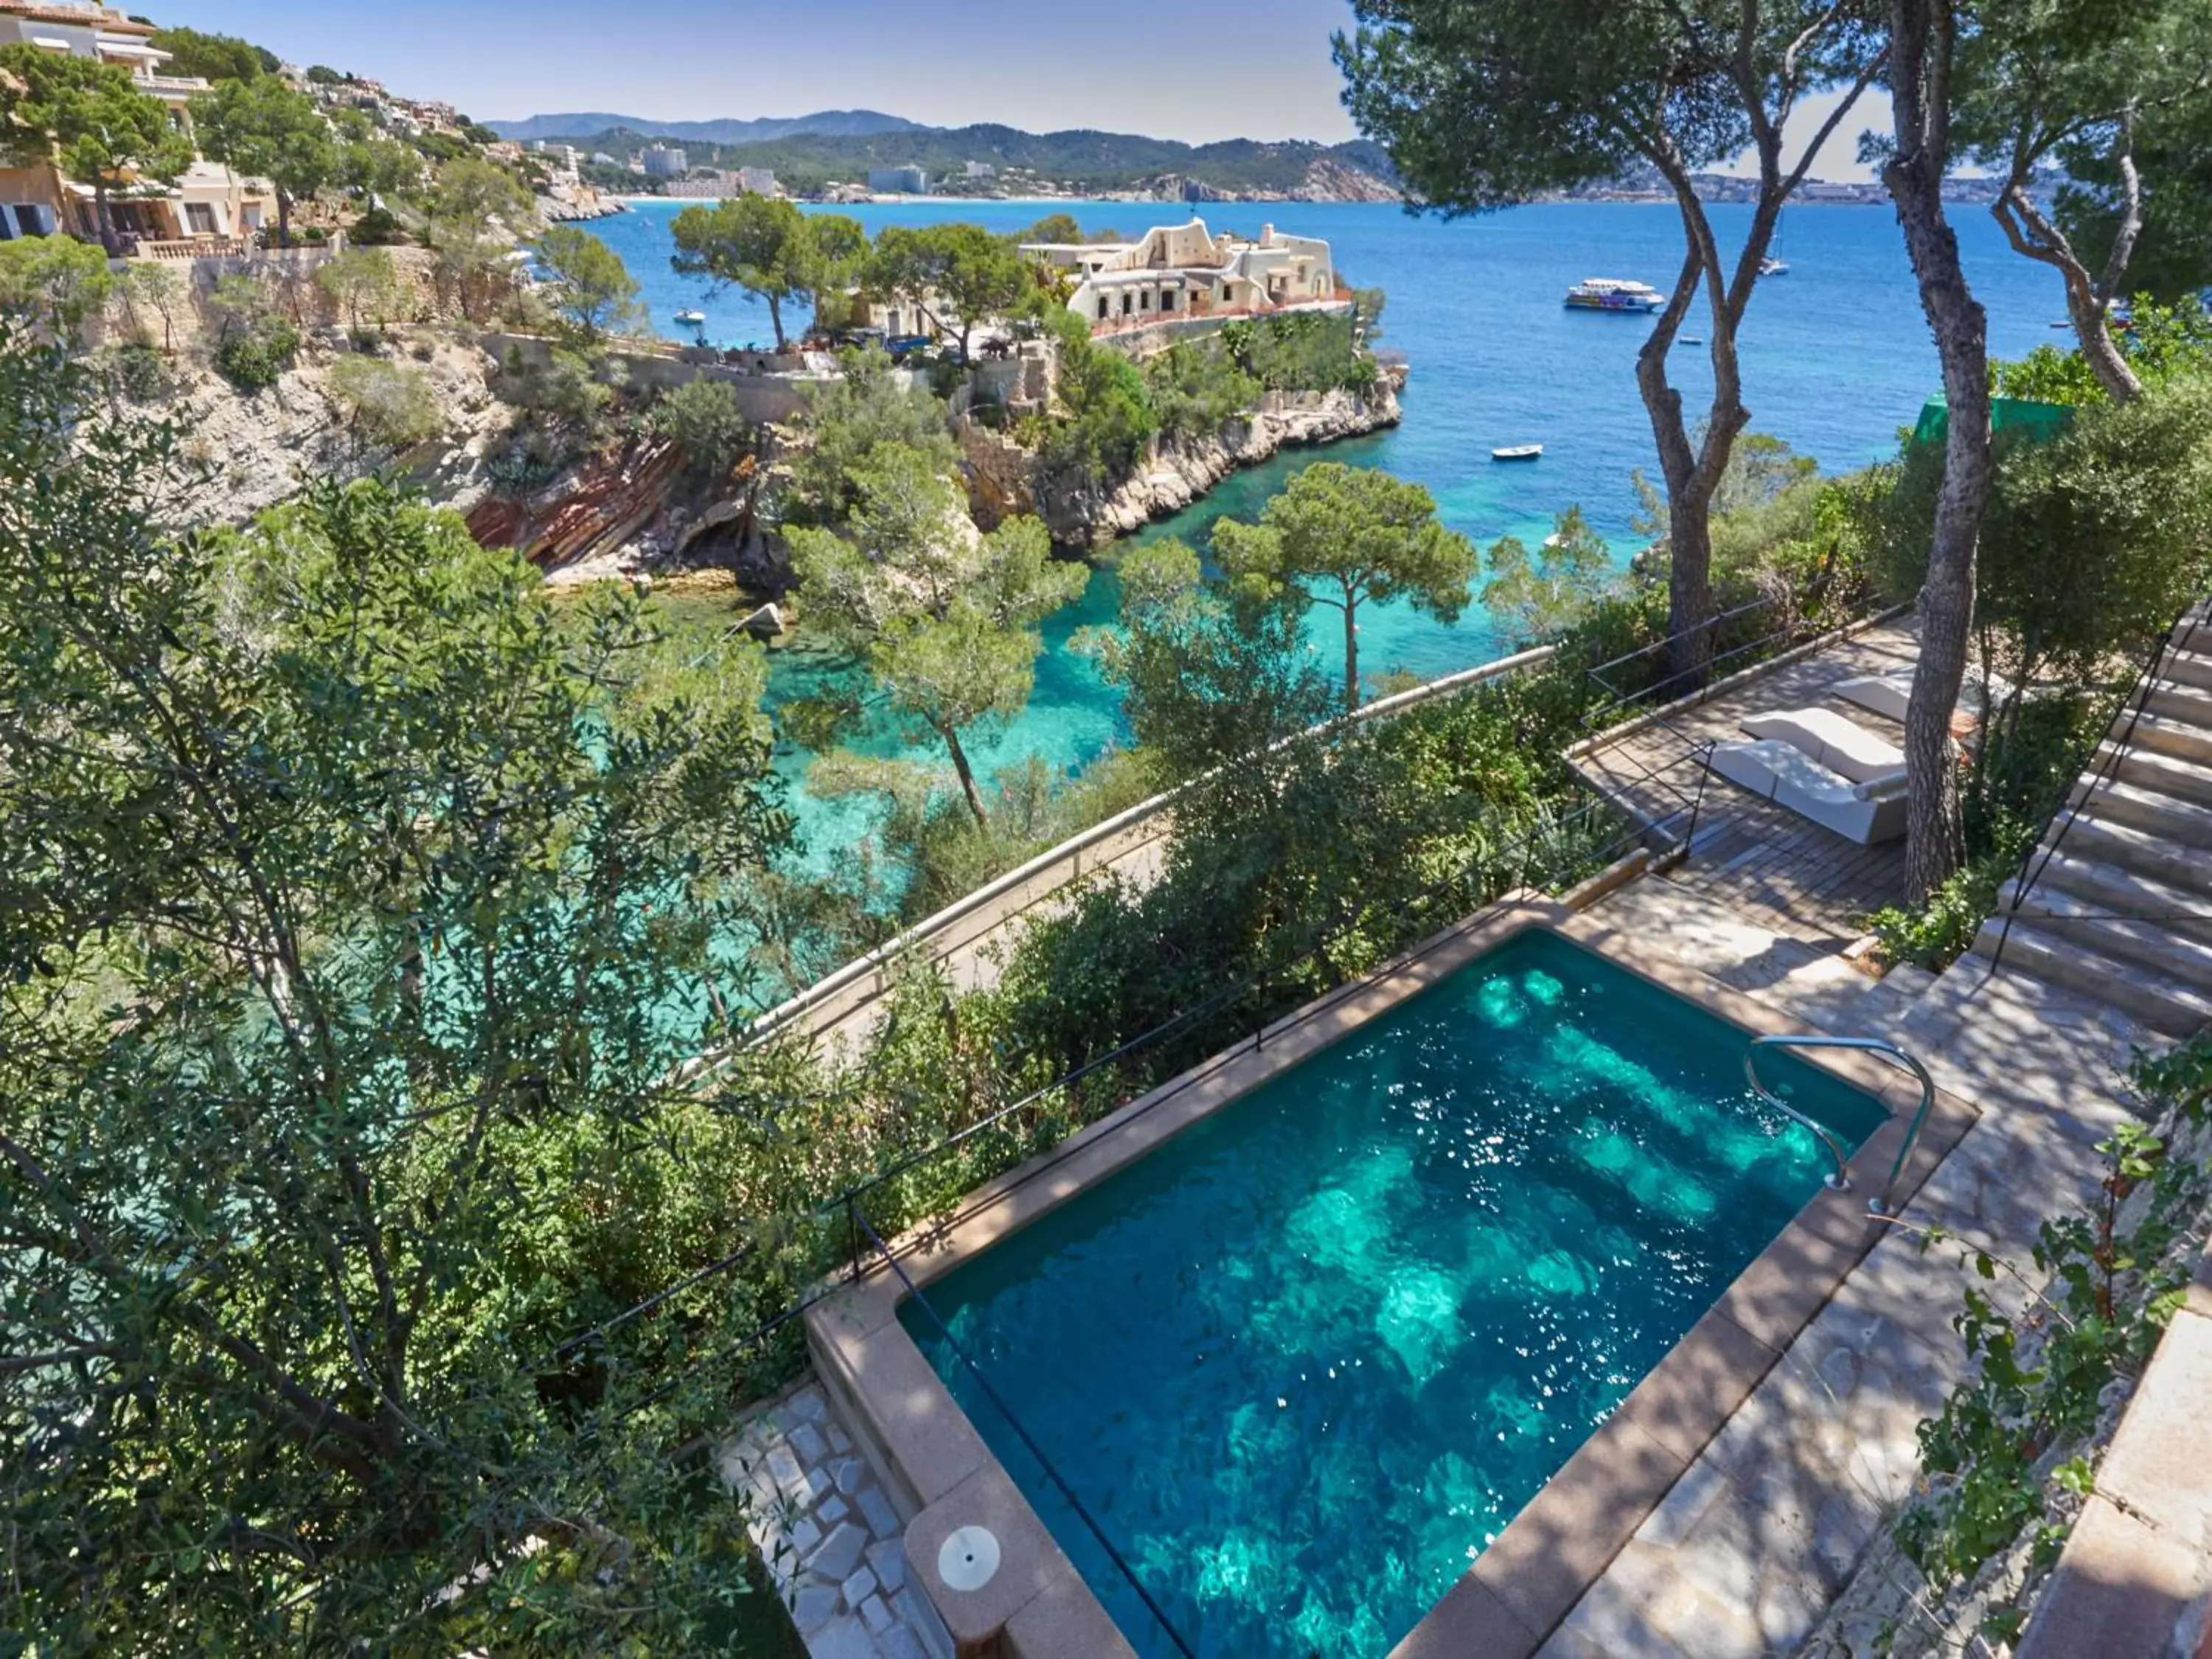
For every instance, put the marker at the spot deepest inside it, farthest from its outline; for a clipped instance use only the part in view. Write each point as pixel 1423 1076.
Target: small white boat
pixel 695 318
pixel 2063 322
pixel 1517 453
pixel 1694 340
pixel 1774 267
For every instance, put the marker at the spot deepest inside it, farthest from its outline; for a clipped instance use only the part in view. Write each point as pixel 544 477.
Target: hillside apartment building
pixel 209 203
pixel 1185 269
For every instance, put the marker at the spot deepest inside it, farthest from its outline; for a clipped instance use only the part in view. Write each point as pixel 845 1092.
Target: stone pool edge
pixel 941 1475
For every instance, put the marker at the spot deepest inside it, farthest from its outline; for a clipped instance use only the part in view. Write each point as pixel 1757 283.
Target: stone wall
pixel 764 399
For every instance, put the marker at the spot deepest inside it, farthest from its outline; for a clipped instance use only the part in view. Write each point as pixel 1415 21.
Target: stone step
pixel 2190 667
pixel 2187 704
pixel 2123 891
pixel 2167 774
pixel 2139 852
pixel 2164 735
pixel 2181 822
pixel 2171 1006
pixel 2152 941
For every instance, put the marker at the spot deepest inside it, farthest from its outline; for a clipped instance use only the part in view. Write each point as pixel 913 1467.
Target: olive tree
pixel 1347 536
pixel 1486 103
pixel 945 619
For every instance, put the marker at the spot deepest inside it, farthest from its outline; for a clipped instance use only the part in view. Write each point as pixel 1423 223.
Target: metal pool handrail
pixel 1840 1181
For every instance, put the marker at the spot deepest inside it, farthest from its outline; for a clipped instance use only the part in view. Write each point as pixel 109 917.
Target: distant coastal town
pixel 850 156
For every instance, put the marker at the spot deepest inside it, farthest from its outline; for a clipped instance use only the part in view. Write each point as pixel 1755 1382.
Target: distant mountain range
pixel 829 122
pixel 809 152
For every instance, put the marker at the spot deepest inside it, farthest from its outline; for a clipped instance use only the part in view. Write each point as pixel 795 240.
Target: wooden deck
pixel 1760 860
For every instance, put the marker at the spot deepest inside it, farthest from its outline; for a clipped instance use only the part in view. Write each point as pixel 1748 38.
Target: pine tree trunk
pixel 1934 844
pixel 284 219
pixel 966 774
pixel 103 218
pixel 1351 661
pixel 2099 349
pixel 775 319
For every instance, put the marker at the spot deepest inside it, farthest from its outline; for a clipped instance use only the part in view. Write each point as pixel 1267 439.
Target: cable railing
pixel 2110 756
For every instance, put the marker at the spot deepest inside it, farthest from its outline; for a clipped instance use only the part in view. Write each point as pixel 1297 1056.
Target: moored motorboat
pixel 1517 453
pixel 1614 294
pixel 695 318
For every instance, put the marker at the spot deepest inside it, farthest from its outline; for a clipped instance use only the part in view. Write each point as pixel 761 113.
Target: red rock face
pixel 601 505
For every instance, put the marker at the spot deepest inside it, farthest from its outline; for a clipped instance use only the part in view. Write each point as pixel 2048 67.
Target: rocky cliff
pixel 1005 479
pixel 258 448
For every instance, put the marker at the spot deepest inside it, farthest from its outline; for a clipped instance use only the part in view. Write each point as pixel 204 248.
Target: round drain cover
pixel 968 1560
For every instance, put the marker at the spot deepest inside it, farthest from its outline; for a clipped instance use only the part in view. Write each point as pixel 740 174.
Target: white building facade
pixel 1181 270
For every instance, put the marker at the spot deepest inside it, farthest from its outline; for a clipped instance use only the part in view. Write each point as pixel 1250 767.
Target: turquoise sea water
pixel 1836 358
pixel 1306 1360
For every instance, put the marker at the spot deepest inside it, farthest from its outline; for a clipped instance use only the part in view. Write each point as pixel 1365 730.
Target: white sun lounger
pixel 1866 813
pixel 1887 693
pixel 1842 745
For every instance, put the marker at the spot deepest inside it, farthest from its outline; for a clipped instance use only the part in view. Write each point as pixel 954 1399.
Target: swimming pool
pixel 1303 1362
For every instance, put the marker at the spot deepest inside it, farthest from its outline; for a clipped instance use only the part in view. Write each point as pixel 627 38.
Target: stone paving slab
pixel 830 1538
pixel 1744 1555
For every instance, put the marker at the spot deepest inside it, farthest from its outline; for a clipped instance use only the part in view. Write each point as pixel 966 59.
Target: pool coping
pixel 942 1475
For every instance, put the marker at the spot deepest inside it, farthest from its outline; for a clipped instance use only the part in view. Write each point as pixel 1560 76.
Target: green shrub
pixel 1936 932
pixel 256 353
pixel 394 407
pixel 140 372
pixel 376 228
pixel 1195 388
pixel 702 418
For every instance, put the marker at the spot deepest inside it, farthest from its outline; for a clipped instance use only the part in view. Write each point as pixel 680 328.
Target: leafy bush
pixel 702 418
pixel 847 423
pixel 1109 418
pixel 140 372
pixel 1195 389
pixel 2112 1274
pixel 394 407
pixel 56 280
pixel 1939 930
pixel 565 387
pixel 1300 351
pixel 377 228
pixel 257 354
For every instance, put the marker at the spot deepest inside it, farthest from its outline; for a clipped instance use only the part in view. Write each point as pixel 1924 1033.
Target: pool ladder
pixel 1839 1179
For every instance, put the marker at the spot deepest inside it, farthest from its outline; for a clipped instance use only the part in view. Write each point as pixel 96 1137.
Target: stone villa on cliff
pixel 1185 269
pixel 208 201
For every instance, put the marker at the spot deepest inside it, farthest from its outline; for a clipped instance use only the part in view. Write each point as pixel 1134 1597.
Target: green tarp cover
pixel 2030 420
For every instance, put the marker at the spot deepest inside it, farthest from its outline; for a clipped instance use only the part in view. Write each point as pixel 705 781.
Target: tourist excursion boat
pixel 1517 453
pixel 694 316
pixel 1614 294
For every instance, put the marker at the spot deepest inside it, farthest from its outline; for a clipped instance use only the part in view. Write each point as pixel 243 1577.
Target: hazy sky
pixel 1231 68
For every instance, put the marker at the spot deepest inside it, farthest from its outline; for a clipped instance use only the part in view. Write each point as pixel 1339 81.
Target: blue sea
pixel 1836 359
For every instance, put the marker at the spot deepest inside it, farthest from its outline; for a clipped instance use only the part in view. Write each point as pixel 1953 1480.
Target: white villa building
pixel 1185 269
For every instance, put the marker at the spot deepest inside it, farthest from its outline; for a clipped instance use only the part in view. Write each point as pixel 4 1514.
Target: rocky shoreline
pixel 1004 481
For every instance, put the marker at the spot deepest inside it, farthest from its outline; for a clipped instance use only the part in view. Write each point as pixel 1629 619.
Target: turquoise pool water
pixel 1305 1361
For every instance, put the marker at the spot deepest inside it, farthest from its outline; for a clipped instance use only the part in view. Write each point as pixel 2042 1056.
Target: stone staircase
pixel 2118 902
